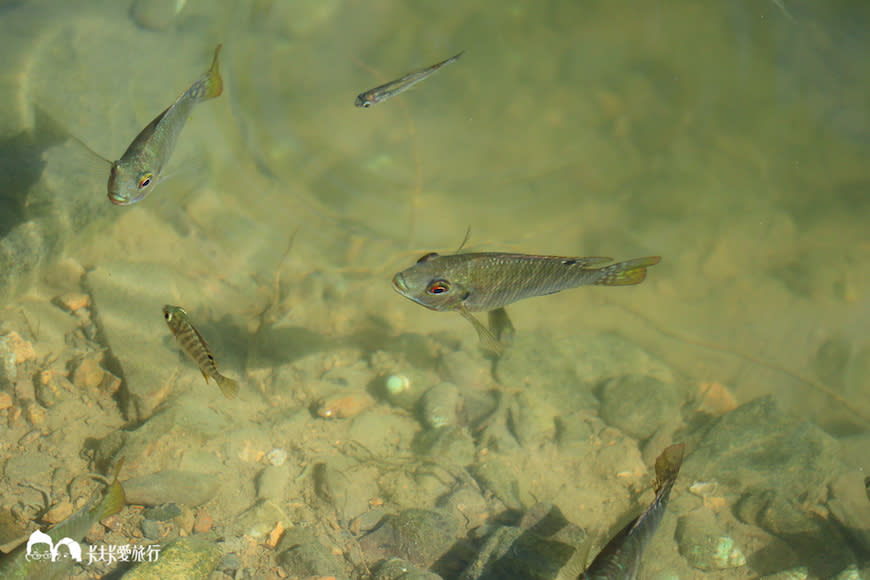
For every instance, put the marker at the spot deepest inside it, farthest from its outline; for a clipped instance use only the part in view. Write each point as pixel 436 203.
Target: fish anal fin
pixel 487 339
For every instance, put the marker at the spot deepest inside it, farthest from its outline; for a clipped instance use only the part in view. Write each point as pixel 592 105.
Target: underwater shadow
pixel 537 545
pixel 21 166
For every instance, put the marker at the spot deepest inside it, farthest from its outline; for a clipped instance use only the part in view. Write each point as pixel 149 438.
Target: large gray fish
pixel 21 565
pixel 195 346
pixel 620 558
pixel 400 85
pixel 138 170
pixel 488 281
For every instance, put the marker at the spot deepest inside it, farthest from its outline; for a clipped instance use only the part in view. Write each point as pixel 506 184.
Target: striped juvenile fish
pixel 489 281
pixel 393 88
pixel 620 558
pixel 138 170
pixel 195 346
pixel 20 565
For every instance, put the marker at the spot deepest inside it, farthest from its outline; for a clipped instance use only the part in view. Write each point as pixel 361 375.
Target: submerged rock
pixel 638 404
pixel 398 569
pixel 180 487
pixel 439 405
pixel 417 535
pixel 452 445
pixel 538 548
pixel 348 491
pixel 704 544
pixel 532 421
pixel 191 558
pixel 821 544
pixel 759 446
pixel 303 555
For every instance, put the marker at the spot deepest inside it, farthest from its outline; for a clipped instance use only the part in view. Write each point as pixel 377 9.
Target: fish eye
pixel 167 316
pixel 366 104
pixel 438 287
pixel 145 181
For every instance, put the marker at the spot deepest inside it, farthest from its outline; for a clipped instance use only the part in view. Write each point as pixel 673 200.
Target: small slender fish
pixel 489 281
pixel 620 558
pixel 393 88
pixel 17 565
pixel 138 170
pixel 195 346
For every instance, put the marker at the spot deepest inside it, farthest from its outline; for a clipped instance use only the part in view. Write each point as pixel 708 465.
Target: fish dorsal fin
pixel 464 240
pixel 427 257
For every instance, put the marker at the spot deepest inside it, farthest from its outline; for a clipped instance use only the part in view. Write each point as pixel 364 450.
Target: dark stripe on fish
pixel 195 346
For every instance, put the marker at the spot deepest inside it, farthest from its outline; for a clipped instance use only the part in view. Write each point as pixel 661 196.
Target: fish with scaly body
pixel 400 85
pixel 489 281
pixel 136 173
pixel 21 563
pixel 195 346
pixel 620 558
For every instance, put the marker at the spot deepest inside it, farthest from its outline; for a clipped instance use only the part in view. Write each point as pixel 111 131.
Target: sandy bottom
pixel 287 211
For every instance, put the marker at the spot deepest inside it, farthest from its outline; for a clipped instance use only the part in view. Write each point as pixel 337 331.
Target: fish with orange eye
pixel 489 281
pixel 135 174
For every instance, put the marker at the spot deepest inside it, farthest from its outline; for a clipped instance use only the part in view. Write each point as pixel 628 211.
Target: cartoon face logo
pixel 40 538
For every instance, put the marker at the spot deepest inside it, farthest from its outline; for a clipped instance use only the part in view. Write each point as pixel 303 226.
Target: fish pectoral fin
pixel 204 375
pixel 487 338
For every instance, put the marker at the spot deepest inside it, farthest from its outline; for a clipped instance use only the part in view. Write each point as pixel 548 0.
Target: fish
pixel 391 89
pixel 781 5
pixel 136 173
pixel 489 281
pixel 19 564
pixel 620 558
pixel 195 346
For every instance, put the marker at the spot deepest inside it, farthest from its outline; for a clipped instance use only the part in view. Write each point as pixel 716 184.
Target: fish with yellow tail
pixel 135 174
pixel 620 558
pixel 489 281
pixel 195 346
pixel 63 539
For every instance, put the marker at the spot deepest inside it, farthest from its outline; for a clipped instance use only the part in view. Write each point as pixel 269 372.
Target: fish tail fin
pixel 114 500
pixel 626 273
pixel 229 387
pixel 668 466
pixel 211 84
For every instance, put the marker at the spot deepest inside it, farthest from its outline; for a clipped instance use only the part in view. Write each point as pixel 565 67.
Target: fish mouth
pixel 118 199
pixel 399 284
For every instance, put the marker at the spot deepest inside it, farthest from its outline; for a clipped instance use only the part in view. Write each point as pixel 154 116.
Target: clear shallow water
pixel 727 137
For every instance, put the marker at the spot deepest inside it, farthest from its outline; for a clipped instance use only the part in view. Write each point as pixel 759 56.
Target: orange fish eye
pixel 145 181
pixel 438 287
